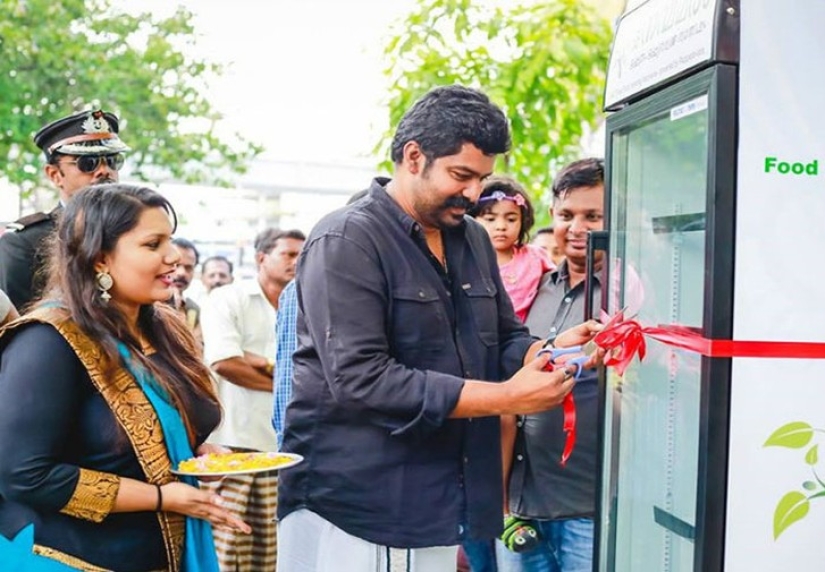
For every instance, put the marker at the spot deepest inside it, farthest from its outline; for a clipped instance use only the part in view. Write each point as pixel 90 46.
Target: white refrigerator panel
pixel 775 518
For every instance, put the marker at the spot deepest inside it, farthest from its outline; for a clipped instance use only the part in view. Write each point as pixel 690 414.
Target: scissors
pixel 587 350
pixel 569 403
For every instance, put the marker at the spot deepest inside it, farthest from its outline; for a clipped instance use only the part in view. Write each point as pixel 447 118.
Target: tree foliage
pixel 71 55
pixel 543 63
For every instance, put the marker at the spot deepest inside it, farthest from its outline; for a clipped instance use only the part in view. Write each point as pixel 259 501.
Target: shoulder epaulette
pixel 27 221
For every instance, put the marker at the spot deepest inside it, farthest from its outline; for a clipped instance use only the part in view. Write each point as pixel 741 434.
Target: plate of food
pixel 222 464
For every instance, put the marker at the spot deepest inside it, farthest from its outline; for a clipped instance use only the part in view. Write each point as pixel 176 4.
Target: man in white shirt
pixel 238 323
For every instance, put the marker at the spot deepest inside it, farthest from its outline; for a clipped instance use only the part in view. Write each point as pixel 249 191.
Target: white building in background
pixel 284 194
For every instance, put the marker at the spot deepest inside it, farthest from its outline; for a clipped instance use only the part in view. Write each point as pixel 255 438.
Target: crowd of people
pixel 401 349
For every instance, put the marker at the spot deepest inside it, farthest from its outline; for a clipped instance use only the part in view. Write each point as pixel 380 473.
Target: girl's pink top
pixel 522 274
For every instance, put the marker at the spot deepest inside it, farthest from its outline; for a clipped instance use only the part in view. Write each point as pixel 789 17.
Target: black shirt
pixel 24 252
pixel 385 341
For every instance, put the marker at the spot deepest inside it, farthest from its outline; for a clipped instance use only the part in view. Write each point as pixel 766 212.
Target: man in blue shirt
pixel 285 328
pixel 404 332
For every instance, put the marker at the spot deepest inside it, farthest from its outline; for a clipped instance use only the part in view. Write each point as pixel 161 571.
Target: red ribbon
pixel 624 339
pixel 569 425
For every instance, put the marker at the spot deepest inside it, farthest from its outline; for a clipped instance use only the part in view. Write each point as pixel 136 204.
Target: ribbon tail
pixel 569 427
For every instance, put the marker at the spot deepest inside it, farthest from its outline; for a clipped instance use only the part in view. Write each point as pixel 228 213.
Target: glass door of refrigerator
pixel 659 169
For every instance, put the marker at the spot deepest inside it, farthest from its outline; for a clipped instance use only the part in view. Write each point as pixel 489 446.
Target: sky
pixel 304 79
pixel 304 76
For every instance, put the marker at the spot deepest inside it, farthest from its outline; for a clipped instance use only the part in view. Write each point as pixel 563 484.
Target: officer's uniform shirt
pixel 23 256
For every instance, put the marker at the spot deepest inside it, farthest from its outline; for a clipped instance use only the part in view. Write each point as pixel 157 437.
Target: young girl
pixel 505 211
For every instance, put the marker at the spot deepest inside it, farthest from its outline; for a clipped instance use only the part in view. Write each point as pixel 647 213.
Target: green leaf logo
pixel 812 456
pixel 791 508
pixel 794 435
pixel 809 486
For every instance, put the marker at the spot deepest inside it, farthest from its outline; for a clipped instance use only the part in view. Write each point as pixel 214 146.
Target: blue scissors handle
pixel 579 363
pixel 555 353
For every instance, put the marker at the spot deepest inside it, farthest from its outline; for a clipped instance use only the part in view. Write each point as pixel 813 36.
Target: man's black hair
pixel 582 173
pixel 187 245
pixel 446 118
pixel 267 239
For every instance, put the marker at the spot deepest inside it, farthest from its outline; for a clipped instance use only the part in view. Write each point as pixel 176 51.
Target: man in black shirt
pixel 404 331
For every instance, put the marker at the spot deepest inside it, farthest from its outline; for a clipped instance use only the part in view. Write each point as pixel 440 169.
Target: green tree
pixel 65 56
pixel 544 63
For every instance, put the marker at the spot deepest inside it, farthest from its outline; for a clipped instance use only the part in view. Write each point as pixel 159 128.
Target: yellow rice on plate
pixel 220 463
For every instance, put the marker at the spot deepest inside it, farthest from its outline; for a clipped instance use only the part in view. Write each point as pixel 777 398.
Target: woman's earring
pixel 104 284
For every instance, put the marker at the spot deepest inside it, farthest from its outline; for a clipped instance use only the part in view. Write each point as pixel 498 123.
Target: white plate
pixel 292 460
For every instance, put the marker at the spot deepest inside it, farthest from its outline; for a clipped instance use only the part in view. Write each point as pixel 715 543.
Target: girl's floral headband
pixel 501 196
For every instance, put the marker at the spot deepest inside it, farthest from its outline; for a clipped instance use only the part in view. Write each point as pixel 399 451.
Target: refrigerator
pixel 715 218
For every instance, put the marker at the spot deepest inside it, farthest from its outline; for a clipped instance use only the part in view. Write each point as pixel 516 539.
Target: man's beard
pixel 446 221
pixel 458 202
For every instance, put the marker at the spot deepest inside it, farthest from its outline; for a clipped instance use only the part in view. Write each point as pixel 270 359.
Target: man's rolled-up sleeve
pixel 344 303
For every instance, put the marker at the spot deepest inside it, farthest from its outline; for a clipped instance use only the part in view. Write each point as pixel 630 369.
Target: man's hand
pixel 239 371
pixel 532 389
pixel 578 335
pixel 264 365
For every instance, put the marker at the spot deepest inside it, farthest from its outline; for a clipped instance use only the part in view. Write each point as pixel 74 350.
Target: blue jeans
pixel 480 555
pixel 566 546
pixel 490 556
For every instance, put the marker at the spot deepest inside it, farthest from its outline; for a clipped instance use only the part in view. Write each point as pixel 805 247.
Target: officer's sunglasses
pixel 90 163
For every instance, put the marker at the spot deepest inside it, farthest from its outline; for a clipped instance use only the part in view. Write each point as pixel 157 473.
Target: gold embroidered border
pixel 67 559
pixel 133 412
pixel 94 496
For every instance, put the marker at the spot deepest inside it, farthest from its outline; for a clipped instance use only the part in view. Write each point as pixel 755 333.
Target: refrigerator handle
pixel 596 240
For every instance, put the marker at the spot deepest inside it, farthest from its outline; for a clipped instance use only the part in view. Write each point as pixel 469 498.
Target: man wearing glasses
pixel 81 149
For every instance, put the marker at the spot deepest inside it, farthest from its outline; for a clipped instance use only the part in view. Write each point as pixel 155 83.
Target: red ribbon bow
pixel 624 339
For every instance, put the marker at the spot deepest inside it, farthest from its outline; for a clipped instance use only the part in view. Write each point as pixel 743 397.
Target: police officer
pixel 81 149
